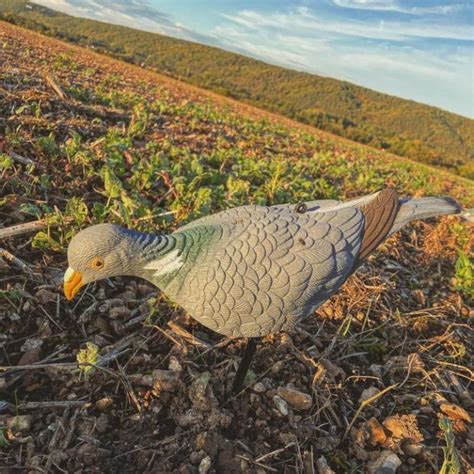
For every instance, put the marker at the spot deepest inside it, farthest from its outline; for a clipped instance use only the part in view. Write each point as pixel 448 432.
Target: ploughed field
pixel 122 380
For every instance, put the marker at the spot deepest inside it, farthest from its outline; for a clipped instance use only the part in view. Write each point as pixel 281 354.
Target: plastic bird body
pixel 251 270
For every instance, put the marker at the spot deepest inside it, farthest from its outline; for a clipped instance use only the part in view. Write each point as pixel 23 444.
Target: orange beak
pixel 72 283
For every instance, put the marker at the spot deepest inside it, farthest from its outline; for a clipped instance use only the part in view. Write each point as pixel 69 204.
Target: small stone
pixel 201 394
pixel 259 388
pixel 418 296
pixel 102 423
pixel 255 399
pixel 144 289
pixel 368 393
pixel 20 422
pixel 386 463
pixel 14 317
pixel 295 398
pixel 196 456
pixel 205 465
pixel 191 417
pixel 281 405
pixel 100 294
pixel 200 440
pixel 412 449
pixel 164 380
pixel 376 370
pixel 277 367
pixel 32 344
pixel 174 365
pixel 103 403
pixel 44 296
pixel 127 295
pixel 119 312
pixel 376 432
pixel 323 466
pixel 30 357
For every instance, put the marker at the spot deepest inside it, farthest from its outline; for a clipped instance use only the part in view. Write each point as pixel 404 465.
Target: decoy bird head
pixel 98 252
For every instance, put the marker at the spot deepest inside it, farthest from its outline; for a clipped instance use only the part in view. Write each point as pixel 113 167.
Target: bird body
pixel 251 270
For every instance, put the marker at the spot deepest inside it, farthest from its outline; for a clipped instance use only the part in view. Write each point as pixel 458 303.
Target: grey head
pixel 98 252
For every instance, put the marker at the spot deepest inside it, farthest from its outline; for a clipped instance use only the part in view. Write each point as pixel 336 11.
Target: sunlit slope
pixel 133 147
pixel 423 133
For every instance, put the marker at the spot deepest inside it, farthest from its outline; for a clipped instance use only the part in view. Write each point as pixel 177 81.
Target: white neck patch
pixel 167 264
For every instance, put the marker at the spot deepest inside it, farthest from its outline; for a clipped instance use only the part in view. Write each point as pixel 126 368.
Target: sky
pixel 419 49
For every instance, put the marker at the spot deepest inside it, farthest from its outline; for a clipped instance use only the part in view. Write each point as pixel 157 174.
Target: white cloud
pixel 133 13
pixel 284 48
pixel 393 6
pixel 302 18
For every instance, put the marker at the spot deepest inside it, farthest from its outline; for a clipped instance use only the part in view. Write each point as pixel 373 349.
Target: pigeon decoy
pixel 252 270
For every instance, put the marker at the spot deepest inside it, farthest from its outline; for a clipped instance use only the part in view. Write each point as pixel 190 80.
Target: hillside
pixel 404 127
pixel 86 139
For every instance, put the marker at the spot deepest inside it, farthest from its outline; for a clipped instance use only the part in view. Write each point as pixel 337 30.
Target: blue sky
pixel 421 49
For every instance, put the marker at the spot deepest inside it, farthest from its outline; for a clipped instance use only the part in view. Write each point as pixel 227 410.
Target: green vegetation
pixel 3 440
pixel 86 358
pixel 423 133
pixel 121 173
pixel 465 275
pixel 451 463
pixel 246 161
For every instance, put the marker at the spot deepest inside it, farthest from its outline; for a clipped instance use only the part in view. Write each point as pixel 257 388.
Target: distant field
pixel 87 139
pixel 423 133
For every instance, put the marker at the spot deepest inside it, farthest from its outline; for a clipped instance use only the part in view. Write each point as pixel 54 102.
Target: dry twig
pixel 55 86
pixel 366 403
pixel 21 229
pixel 21 159
pixel 15 261
pixel 53 405
pixel 187 336
pixel 28 227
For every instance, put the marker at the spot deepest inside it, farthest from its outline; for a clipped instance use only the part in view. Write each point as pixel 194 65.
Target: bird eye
pixel 97 263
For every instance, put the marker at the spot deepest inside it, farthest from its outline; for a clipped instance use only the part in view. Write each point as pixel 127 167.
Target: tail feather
pixel 423 208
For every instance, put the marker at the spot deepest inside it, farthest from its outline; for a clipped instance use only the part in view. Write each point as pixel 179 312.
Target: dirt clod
pixel 282 405
pixel 295 398
pixel 376 432
pixel 20 422
pixel 205 465
pixel 368 393
pixel 386 463
pixel 455 412
pixel 402 427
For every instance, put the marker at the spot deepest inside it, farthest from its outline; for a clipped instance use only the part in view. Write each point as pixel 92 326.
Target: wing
pixel 316 206
pixel 266 267
pixel 231 214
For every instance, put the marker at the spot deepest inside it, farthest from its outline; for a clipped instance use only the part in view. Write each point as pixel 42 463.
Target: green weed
pixel 464 275
pixel 87 357
pixel 4 443
pixel 451 462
